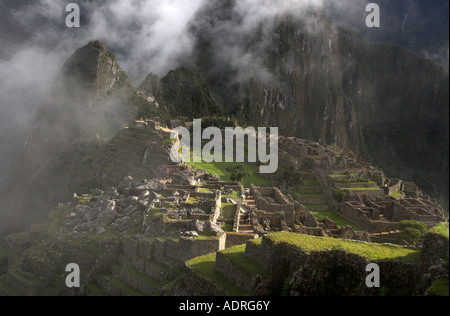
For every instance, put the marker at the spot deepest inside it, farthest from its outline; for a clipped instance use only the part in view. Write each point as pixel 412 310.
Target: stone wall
pixel 236 239
pixel 217 207
pixel 167 251
pixel 236 274
pixel 332 272
pixel 435 247
pixel 394 186
pixel 276 219
pixel 237 217
pixel 360 218
pixel 282 205
pixel 199 285
pixel 185 249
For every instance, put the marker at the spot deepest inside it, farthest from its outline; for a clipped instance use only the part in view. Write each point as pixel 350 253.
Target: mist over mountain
pixel 419 26
pixel 282 63
pixel 322 82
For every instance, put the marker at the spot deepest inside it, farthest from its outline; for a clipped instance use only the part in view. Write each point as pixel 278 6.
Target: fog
pixel 146 35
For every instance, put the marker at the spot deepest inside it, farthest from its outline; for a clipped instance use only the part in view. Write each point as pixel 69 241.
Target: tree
pixel 238 172
pixel 412 231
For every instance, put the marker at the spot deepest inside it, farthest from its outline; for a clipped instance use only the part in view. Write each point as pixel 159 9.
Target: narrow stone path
pixel 246 228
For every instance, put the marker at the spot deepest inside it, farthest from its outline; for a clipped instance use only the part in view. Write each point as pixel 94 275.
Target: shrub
pixel 238 172
pixel 339 196
pixel 412 231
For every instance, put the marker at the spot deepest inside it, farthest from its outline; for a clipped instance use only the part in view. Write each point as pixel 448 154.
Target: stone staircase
pixel 250 205
pixel 311 194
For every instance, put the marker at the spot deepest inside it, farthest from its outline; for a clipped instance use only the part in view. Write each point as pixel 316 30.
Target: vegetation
pixel 185 92
pixel 440 287
pixel 441 229
pixel 236 255
pixel 340 221
pixel 229 211
pixel 206 266
pixel 397 194
pixel 371 252
pixel 339 196
pixel 412 231
pixel 238 172
pixel 219 168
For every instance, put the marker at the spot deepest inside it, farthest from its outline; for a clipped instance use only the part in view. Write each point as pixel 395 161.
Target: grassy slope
pixel 219 168
pixel 205 266
pixel 441 229
pixel 367 250
pixel 340 221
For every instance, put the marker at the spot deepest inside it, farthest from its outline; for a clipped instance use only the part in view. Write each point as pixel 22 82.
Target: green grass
pixel 306 195
pixel 155 214
pixel 236 255
pixel 219 168
pixel 441 229
pixel 95 289
pixel 235 195
pixel 316 206
pixel 229 211
pixel 439 288
pixel 257 241
pixel 340 221
pixel 363 189
pixel 206 267
pixel 334 176
pixel 123 287
pixel 57 217
pixel 398 194
pixel 372 252
pixel 227 228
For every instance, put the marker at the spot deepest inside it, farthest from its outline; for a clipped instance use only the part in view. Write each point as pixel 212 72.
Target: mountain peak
pixel 94 68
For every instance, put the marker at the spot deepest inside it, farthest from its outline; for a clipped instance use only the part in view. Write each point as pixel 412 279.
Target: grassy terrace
pixel 219 168
pixel 306 195
pixel 439 288
pixel 340 221
pixel 337 177
pixel 398 194
pixel 229 211
pixel 363 189
pixel 206 267
pixel 371 252
pixel 441 229
pixel 236 255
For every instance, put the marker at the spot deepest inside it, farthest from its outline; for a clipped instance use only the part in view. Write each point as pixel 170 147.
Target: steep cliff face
pixel 183 92
pixel 88 105
pixel 401 102
pixel 304 94
pixel 420 26
pixel 325 83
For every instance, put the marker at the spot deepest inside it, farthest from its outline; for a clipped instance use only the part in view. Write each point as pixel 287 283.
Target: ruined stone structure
pixel 136 236
pixel 370 200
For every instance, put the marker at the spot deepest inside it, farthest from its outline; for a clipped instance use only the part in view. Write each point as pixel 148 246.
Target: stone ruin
pixel 386 203
pixel 274 212
pixel 371 200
